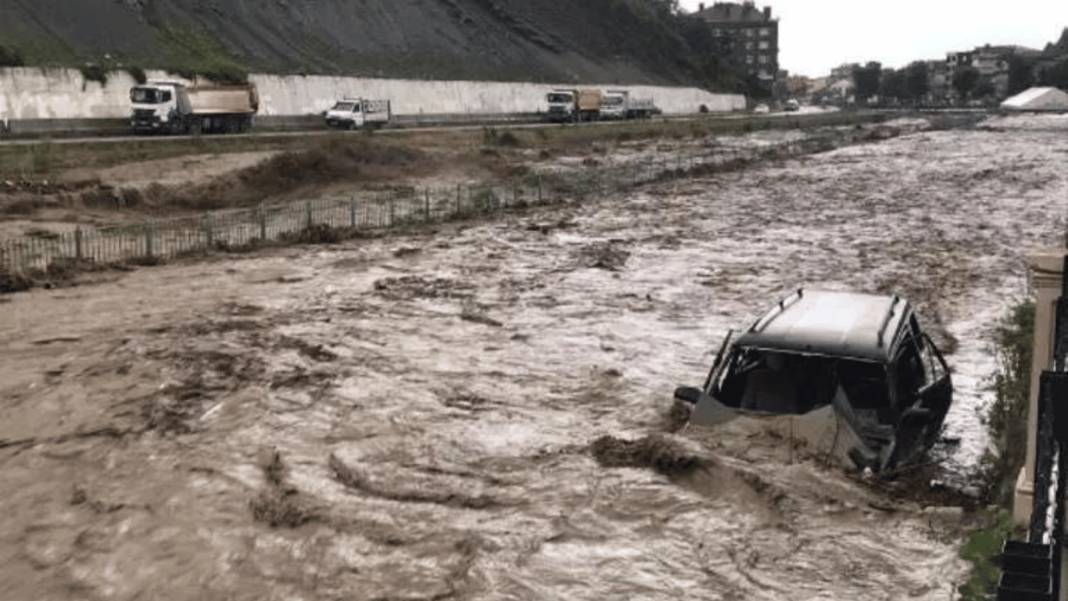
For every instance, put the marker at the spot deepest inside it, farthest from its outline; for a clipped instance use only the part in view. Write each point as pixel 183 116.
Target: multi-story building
pixel 991 62
pixel 844 71
pixel 748 37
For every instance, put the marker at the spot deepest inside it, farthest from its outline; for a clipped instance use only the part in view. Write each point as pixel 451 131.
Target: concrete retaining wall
pixel 32 93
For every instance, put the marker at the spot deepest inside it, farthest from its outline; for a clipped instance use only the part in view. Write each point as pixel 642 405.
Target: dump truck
pixel 359 113
pixel 620 105
pixel 575 105
pixel 169 107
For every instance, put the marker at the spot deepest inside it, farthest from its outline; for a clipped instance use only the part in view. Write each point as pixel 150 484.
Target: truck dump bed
pixel 217 100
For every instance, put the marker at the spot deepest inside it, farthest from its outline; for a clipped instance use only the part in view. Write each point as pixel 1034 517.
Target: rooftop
pixel 734 12
pixel 846 324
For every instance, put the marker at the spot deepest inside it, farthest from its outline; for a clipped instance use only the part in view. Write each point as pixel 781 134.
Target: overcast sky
pixel 816 35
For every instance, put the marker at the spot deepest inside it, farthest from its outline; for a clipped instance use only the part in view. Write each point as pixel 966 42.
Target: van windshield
pixel 560 98
pixel 613 101
pixel 344 106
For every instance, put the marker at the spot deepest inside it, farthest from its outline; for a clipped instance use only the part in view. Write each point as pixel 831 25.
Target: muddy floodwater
pixel 410 417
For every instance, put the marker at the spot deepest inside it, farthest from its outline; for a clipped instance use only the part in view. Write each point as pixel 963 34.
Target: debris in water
pixel 280 505
pixel 664 455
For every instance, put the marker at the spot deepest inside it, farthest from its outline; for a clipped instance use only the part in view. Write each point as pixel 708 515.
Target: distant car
pixel 761 109
pixel 791 106
pixel 851 374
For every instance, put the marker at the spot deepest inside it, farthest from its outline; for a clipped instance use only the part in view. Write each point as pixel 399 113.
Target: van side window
pixel 166 96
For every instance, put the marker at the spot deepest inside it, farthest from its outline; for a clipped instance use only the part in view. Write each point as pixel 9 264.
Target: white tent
pixel 1038 99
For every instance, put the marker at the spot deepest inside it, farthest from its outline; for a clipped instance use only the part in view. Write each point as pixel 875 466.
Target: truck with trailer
pixel 170 107
pixel 359 113
pixel 620 105
pixel 575 105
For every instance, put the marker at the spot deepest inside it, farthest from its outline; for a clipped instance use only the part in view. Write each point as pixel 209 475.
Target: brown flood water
pixel 414 413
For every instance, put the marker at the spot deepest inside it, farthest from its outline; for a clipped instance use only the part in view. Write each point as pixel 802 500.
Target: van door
pixel 924 392
pixel 359 116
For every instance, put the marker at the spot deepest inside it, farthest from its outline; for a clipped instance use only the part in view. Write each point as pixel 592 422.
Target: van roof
pixel 837 324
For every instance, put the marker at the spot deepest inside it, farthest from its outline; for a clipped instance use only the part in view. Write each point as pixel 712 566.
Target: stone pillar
pixel 1046 271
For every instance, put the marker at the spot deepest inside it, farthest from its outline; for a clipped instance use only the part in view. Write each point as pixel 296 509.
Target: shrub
pixel 1006 420
pixel 138 74
pixel 95 73
pixel 10 57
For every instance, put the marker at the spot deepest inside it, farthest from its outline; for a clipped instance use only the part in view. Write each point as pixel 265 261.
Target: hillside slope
pixel 628 41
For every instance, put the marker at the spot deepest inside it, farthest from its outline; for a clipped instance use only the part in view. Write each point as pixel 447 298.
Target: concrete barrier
pixel 28 94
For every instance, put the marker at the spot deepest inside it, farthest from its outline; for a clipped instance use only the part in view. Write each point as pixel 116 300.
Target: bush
pixel 138 74
pixel 95 73
pixel 1006 420
pixel 11 57
pixel 492 137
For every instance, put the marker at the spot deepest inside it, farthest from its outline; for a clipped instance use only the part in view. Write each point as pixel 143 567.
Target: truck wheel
pixel 196 128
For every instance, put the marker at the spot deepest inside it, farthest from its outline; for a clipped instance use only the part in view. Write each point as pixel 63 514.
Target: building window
pixel 764 45
pixel 763 59
pixel 749 59
pixel 717 32
pixel 748 33
pixel 765 32
pixel 749 45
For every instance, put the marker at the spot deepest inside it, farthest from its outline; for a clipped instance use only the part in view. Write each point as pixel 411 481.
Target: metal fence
pixel 160 239
pixel 1031 569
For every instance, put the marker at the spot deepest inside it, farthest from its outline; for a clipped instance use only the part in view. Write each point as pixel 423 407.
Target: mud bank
pixel 429 455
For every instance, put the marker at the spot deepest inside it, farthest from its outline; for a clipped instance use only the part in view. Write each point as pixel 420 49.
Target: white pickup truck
pixel 359 113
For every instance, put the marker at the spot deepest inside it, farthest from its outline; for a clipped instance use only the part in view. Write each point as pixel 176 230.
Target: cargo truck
pixel 574 105
pixel 619 105
pixel 359 113
pixel 169 107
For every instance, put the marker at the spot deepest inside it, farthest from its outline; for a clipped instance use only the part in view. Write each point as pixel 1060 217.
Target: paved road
pixel 388 131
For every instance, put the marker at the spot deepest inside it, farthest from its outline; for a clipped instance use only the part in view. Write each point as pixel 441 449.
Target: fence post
pixel 209 231
pixel 148 238
pixel 308 214
pixel 262 214
pixel 78 243
pixel 392 209
pixel 352 212
pixel 426 194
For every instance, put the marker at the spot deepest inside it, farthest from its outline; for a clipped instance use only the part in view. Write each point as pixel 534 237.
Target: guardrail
pixel 1031 569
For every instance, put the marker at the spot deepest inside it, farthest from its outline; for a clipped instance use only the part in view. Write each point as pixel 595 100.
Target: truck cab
pixel 562 106
pixel 159 107
pixel 615 105
pixel 358 113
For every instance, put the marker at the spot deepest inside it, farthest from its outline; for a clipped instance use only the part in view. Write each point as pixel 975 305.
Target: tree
pixel 1021 75
pixel 965 80
pixel 917 82
pixel 1057 75
pixel 866 80
pixel 892 84
pixel 984 88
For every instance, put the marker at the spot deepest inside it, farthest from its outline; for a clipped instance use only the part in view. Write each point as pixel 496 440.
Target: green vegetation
pixel 95 73
pixel 983 549
pixel 11 57
pixel 202 57
pixel 1006 423
pixel 1006 420
pixel 137 73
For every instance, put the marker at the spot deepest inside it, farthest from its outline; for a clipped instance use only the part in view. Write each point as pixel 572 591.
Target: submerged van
pixel 853 375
